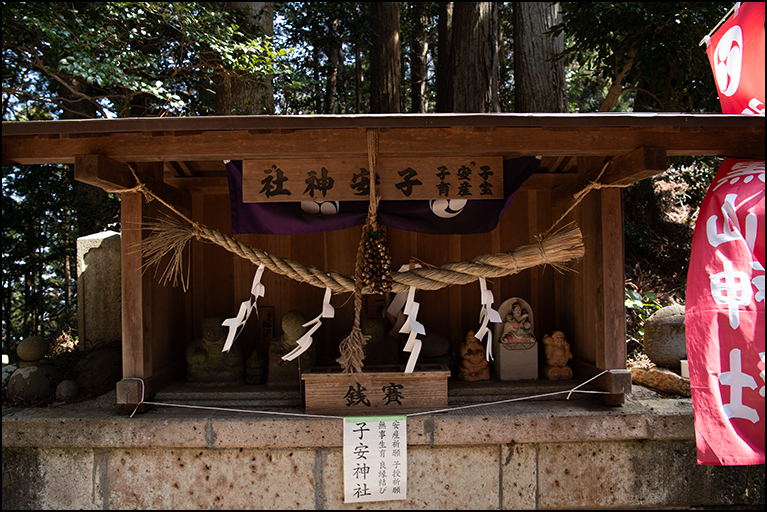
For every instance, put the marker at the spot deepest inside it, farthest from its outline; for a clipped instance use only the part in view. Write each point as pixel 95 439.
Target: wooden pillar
pixel 147 313
pixel 136 356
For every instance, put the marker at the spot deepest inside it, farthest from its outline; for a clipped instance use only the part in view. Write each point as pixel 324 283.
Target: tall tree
pixel 318 33
pixel 119 56
pixel 444 59
pixel 336 81
pixel 241 91
pixel 474 53
pixel 385 65
pixel 540 82
pixel 419 56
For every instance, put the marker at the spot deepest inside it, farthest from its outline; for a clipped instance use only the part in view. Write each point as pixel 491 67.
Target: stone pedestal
pixel 98 289
pixel 517 364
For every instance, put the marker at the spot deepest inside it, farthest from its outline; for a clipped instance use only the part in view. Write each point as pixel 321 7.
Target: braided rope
pixel 555 250
pixel 578 196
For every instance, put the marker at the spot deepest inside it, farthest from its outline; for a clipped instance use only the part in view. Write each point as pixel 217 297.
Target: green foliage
pixel 41 218
pixel 311 29
pixel 639 307
pixel 120 53
pixel 658 40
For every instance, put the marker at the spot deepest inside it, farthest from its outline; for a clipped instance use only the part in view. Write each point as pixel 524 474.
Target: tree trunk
pixel 419 63
pixel 616 87
pixel 540 87
pixel 385 66
pixel 444 61
pixel 237 96
pixel 475 55
pixel 335 89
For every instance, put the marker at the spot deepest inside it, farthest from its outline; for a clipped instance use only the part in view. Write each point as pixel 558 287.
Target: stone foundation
pixel 520 455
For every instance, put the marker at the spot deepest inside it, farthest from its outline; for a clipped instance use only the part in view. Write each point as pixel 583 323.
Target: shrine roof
pixel 196 146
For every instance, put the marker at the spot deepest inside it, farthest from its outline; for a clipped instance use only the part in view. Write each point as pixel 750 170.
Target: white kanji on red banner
pixel 736 53
pixel 724 317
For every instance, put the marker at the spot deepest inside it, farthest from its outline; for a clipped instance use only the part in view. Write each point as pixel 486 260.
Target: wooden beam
pixel 111 175
pixel 626 169
pixel 549 180
pixel 616 381
pixel 680 135
pixel 208 185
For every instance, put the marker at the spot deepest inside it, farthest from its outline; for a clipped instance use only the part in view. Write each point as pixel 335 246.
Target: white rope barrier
pixel 450 409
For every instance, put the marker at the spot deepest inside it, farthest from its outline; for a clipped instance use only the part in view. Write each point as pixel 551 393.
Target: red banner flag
pixel 736 53
pixel 724 317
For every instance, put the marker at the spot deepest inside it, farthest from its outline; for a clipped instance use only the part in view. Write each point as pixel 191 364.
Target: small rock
pixel 67 390
pixel 33 348
pixel 33 383
pixel 664 337
pixel 661 379
pixel 100 370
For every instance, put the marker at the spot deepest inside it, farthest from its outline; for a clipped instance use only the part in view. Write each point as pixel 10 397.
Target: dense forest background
pixel 122 59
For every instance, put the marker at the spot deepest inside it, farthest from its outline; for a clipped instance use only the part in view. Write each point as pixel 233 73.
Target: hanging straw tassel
pixel 353 346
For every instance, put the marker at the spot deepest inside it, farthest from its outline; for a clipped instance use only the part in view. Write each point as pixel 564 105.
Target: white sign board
pixel 375 458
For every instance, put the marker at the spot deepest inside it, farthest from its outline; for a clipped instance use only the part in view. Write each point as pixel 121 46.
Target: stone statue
pixel 473 366
pixel 286 373
pixel 515 348
pixel 381 348
pixel 207 364
pixel 517 327
pixel 557 355
pixel 255 369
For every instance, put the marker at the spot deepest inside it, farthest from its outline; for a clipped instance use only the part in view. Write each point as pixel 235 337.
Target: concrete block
pixel 454 478
pixel 234 479
pixel 519 479
pixel 638 474
pixel 515 364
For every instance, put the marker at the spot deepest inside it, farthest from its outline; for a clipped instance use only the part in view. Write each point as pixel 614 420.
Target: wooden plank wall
pixel 579 303
pixel 452 311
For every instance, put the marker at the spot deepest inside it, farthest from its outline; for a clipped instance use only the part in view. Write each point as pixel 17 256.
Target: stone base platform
pixel 543 454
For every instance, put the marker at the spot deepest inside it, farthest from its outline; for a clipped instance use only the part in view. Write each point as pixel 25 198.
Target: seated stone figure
pixel 206 364
pixel 473 366
pixel 255 369
pixel 286 373
pixel 381 348
pixel 557 356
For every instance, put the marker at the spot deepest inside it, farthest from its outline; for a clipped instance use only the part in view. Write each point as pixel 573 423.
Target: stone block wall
pixel 555 455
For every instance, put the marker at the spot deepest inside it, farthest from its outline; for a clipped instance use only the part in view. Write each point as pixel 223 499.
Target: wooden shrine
pixel 181 161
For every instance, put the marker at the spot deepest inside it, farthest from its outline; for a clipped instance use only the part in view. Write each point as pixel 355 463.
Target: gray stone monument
pixel 98 289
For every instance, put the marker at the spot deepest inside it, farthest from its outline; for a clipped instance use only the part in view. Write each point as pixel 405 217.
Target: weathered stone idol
pixel 558 354
pixel 286 373
pixel 473 366
pixel 255 369
pixel 381 348
pixel 207 364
